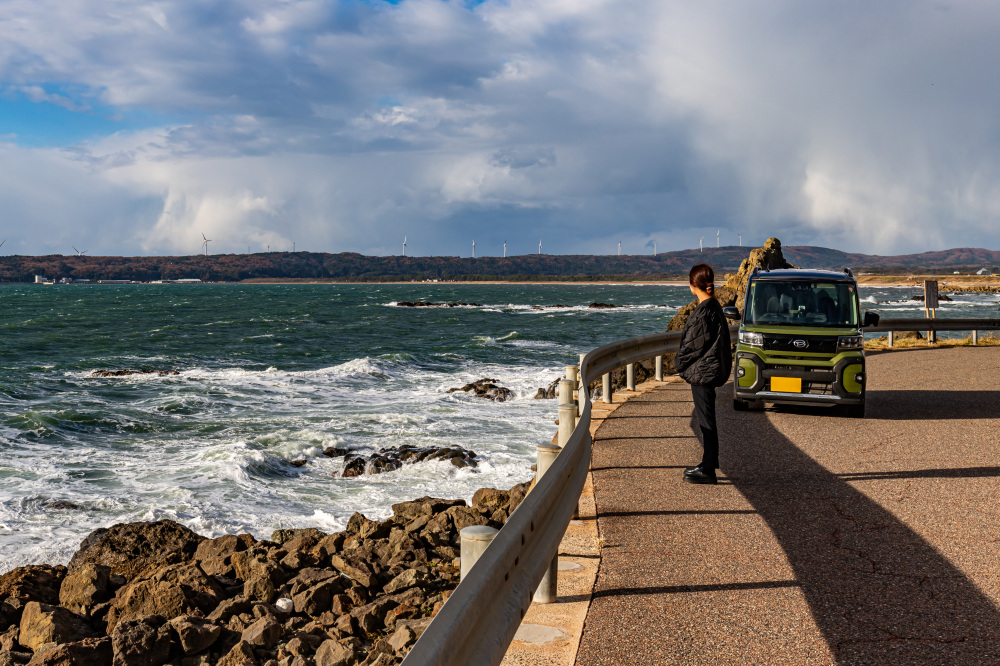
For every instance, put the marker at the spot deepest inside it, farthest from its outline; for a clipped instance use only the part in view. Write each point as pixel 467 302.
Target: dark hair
pixel 703 277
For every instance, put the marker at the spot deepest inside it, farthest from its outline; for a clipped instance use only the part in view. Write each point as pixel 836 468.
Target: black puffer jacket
pixel 705 356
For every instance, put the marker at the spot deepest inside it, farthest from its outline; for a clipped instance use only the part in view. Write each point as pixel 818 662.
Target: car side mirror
pixel 731 312
pixel 871 319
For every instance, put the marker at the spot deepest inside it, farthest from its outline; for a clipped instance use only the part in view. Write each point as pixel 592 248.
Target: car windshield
pixel 801 303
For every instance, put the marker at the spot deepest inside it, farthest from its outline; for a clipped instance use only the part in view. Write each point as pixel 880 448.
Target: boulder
pixel 402 638
pixel 224 546
pixel 261 577
pixel 490 499
pixel 85 587
pixel 10 615
pixel 174 590
pixel 548 392
pixel 517 494
pixel 86 652
pixel 405 580
pixel 241 655
pixel 229 608
pixel 404 512
pixel 42 624
pixel 264 633
pixel 195 633
pixel 8 639
pixel 32 583
pixel 128 548
pixel 334 653
pixel 318 598
pixel 300 539
pixel 354 568
pixel 143 641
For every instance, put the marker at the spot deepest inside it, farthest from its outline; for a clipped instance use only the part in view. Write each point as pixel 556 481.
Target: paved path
pixel 828 541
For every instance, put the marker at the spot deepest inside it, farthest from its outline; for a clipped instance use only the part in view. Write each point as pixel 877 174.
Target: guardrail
pixel 932 326
pixel 481 617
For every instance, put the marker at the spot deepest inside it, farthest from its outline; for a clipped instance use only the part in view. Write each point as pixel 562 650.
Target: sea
pixel 268 374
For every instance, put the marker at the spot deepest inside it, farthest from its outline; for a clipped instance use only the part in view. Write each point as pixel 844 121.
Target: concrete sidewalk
pixel 828 541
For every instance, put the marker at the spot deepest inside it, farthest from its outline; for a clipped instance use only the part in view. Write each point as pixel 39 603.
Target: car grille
pixel 815 344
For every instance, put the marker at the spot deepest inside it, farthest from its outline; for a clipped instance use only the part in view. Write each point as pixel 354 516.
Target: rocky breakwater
pixel 428 304
pixel 151 594
pixel 388 459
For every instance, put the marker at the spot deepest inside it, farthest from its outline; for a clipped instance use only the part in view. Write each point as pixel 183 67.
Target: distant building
pixel 41 279
pixel 186 281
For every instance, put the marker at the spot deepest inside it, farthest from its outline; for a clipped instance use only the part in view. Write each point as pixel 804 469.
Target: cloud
pixel 342 126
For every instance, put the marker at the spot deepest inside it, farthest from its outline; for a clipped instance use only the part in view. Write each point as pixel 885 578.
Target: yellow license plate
pixel 786 384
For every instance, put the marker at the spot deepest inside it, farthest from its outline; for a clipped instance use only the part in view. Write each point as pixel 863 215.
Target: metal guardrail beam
pixel 926 324
pixel 481 617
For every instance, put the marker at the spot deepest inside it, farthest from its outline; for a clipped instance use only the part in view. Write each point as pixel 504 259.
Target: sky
pixel 135 127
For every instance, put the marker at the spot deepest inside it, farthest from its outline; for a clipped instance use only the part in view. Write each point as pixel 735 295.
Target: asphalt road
pixel 828 540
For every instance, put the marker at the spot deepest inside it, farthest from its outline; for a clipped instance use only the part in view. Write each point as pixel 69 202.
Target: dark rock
pixel 354 568
pixel 404 512
pixel 490 499
pixel 517 494
pixel 602 306
pixel 195 633
pixel 335 451
pixel 86 652
pixel 125 373
pixel 297 463
pixel 265 633
pixel 549 392
pixel 486 388
pixel 299 539
pixel 334 653
pixel 144 641
pixel 229 608
pixel 427 304
pixel 41 623
pixel 32 583
pixel 128 548
pixel 389 459
pixel 174 590
pixel 241 655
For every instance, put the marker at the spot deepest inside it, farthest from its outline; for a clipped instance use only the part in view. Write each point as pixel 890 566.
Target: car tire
pixel 740 405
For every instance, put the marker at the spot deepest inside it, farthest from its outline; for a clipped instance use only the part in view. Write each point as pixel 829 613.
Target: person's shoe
pixel 699 475
pixel 688 470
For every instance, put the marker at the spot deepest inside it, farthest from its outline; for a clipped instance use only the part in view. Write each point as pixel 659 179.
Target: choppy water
pixel 273 373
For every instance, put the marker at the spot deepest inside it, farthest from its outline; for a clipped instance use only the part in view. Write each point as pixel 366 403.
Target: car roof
pixel 803 274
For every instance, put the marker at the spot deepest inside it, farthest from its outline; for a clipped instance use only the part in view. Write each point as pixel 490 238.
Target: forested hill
pixel 350 266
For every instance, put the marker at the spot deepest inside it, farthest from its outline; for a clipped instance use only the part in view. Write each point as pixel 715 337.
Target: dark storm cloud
pixel 342 126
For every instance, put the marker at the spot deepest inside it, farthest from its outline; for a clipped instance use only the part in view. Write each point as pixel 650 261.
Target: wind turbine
pixel 539 246
pixel 701 244
pixel 78 252
pixel 205 244
pixel 473 248
pixel 404 246
pixel 504 249
pixel 654 248
pixel 741 239
pixel 717 239
pixel 5 240
pixel 619 248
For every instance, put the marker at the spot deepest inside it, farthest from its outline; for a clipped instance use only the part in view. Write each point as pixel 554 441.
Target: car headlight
pixel 752 338
pixel 850 342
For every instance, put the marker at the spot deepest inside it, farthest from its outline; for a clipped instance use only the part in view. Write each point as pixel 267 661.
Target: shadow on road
pixel 922 405
pixel 879 593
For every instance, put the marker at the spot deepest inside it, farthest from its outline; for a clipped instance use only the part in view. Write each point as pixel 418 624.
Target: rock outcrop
pixel 428 304
pixel 126 373
pixel 304 598
pixel 486 388
pixel 389 459
pixel 129 548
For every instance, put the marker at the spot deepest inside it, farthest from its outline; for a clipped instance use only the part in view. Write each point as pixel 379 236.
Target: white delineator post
pixel 546 592
pixel 890 338
pixel 573 375
pixel 975 337
pixel 606 386
pixel 630 377
pixel 659 368
pixel 474 541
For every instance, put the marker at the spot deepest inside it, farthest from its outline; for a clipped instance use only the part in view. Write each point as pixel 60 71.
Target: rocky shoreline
pixel 156 593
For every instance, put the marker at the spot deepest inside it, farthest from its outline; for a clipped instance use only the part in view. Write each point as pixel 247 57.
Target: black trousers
pixel 704 413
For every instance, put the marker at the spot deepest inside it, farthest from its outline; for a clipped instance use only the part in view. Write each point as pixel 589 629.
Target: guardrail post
pixel 567 411
pixel 572 374
pixel 474 541
pixel 546 591
pixel 890 338
pixel 659 368
pixel 607 387
pixel 630 376
pixel 975 337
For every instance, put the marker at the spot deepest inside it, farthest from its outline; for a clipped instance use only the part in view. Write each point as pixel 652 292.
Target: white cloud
pixel 341 126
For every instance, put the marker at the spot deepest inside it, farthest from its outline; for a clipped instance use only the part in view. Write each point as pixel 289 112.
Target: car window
pixel 801 303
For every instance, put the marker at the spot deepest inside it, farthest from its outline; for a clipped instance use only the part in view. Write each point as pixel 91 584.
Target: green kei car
pixel 800 341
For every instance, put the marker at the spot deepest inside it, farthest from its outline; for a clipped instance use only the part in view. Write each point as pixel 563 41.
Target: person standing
pixel 704 361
